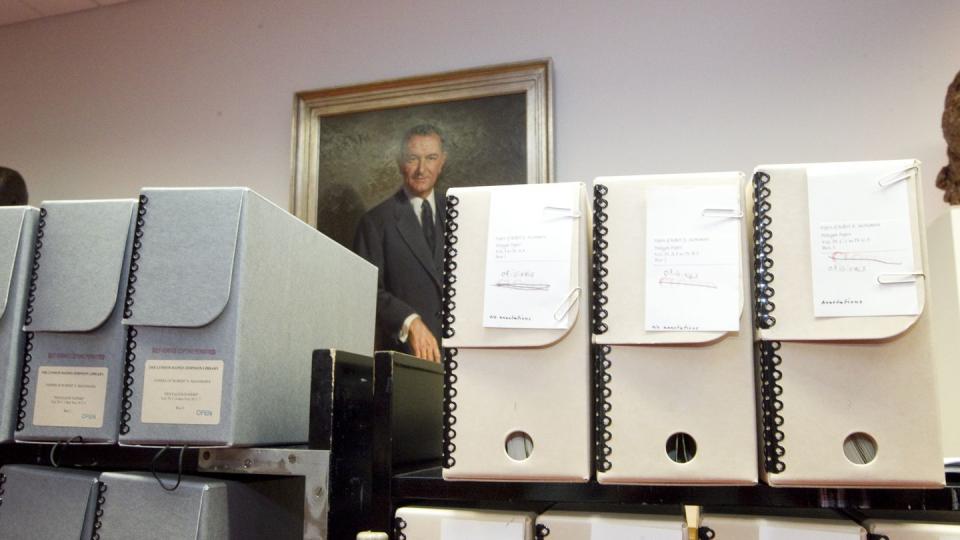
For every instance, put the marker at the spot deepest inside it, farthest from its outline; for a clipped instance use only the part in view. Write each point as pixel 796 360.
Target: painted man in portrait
pixel 403 237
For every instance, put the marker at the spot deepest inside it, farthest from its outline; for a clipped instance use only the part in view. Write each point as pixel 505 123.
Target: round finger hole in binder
pixel 860 448
pixel 519 446
pixel 681 447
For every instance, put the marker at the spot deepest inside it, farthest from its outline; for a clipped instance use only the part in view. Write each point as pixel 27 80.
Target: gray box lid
pixel 186 257
pixel 11 228
pixel 79 263
pixel 135 506
pixel 42 502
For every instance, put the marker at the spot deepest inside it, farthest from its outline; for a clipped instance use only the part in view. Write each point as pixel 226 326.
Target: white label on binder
pixel 693 259
pixel 70 396
pixel 859 232
pixel 799 533
pixel 605 530
pixel 182 392
pixel 474 529
pixel 529 251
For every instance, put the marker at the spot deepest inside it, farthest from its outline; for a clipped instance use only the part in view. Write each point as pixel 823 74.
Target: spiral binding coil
pixel 3 480
pixel 771 406
pixel 600 257
pixel 449 265
pixel 37 247
pixel 770 374
pixel 449 355
pixel 705 533
pixel 762 251
pixel 130 354
pixel 135 258
pixel 399 524
pixel 449 406
pixel 601 407
pixel 98 513
pixel 25 380
pixel 28 319
pixel 542 531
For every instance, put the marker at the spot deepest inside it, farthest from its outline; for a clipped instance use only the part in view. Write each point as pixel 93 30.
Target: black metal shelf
pixel 426 486
pixel 98 456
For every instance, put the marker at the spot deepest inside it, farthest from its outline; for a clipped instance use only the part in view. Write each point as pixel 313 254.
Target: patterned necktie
pixel 426 221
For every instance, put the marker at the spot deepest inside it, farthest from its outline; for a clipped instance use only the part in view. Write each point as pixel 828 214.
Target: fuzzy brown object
pixel 949 178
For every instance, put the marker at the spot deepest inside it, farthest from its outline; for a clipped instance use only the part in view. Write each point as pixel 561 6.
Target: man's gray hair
pixel 420 130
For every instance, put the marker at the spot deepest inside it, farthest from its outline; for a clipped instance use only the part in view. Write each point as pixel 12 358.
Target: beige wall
pixel 199 92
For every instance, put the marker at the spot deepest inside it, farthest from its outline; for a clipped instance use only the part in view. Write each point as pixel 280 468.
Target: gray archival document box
pixel 18 225
pixel 43 503
pixel 134 506
pixel 229 295
pixel 73 321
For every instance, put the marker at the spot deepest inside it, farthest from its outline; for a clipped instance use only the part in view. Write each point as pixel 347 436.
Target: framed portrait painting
pixel 496 125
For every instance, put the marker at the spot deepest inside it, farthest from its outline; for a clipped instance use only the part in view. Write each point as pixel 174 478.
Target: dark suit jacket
pixel 390 237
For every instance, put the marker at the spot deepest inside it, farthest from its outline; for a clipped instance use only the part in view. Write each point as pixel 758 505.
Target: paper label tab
pixel 70 396
pixel 606 530
pixel 182 392
pixel 529 283
pixel 860 235
pixel 693 259
pixel 798 533
pixel 474 529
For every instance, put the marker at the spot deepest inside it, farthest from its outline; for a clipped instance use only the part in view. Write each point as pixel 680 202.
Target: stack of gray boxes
pixel 43 503
pixel 188 317
pixel 75 342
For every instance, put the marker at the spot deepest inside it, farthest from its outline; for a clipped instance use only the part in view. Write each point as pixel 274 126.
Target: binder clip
pixel 896 278
pixel 896 177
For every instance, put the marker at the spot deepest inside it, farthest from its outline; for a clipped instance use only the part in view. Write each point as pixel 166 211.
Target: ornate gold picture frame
pixel 497 124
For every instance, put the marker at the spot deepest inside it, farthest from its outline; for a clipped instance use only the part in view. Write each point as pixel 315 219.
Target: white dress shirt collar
pixel 417 203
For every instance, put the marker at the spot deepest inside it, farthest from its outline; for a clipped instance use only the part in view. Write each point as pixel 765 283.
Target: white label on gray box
pixel 69 396
pixel 182 392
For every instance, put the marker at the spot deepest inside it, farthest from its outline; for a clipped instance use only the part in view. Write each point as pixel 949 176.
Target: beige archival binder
pixel 944 250
pixel 418 523
pixel 825 381
pixel 504 381
pixel 883 529
pixel 655 385
pixel 557 525
pixel 730 527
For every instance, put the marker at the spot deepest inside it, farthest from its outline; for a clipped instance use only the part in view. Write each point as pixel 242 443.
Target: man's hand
pixel 422 342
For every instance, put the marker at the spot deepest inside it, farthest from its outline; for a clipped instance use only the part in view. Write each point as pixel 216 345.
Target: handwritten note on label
pixel 530 246
pixel 474 529
pixel 605 530
pixel 70 396
pixel 693 259
pixel 860 235
pixel 182 392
